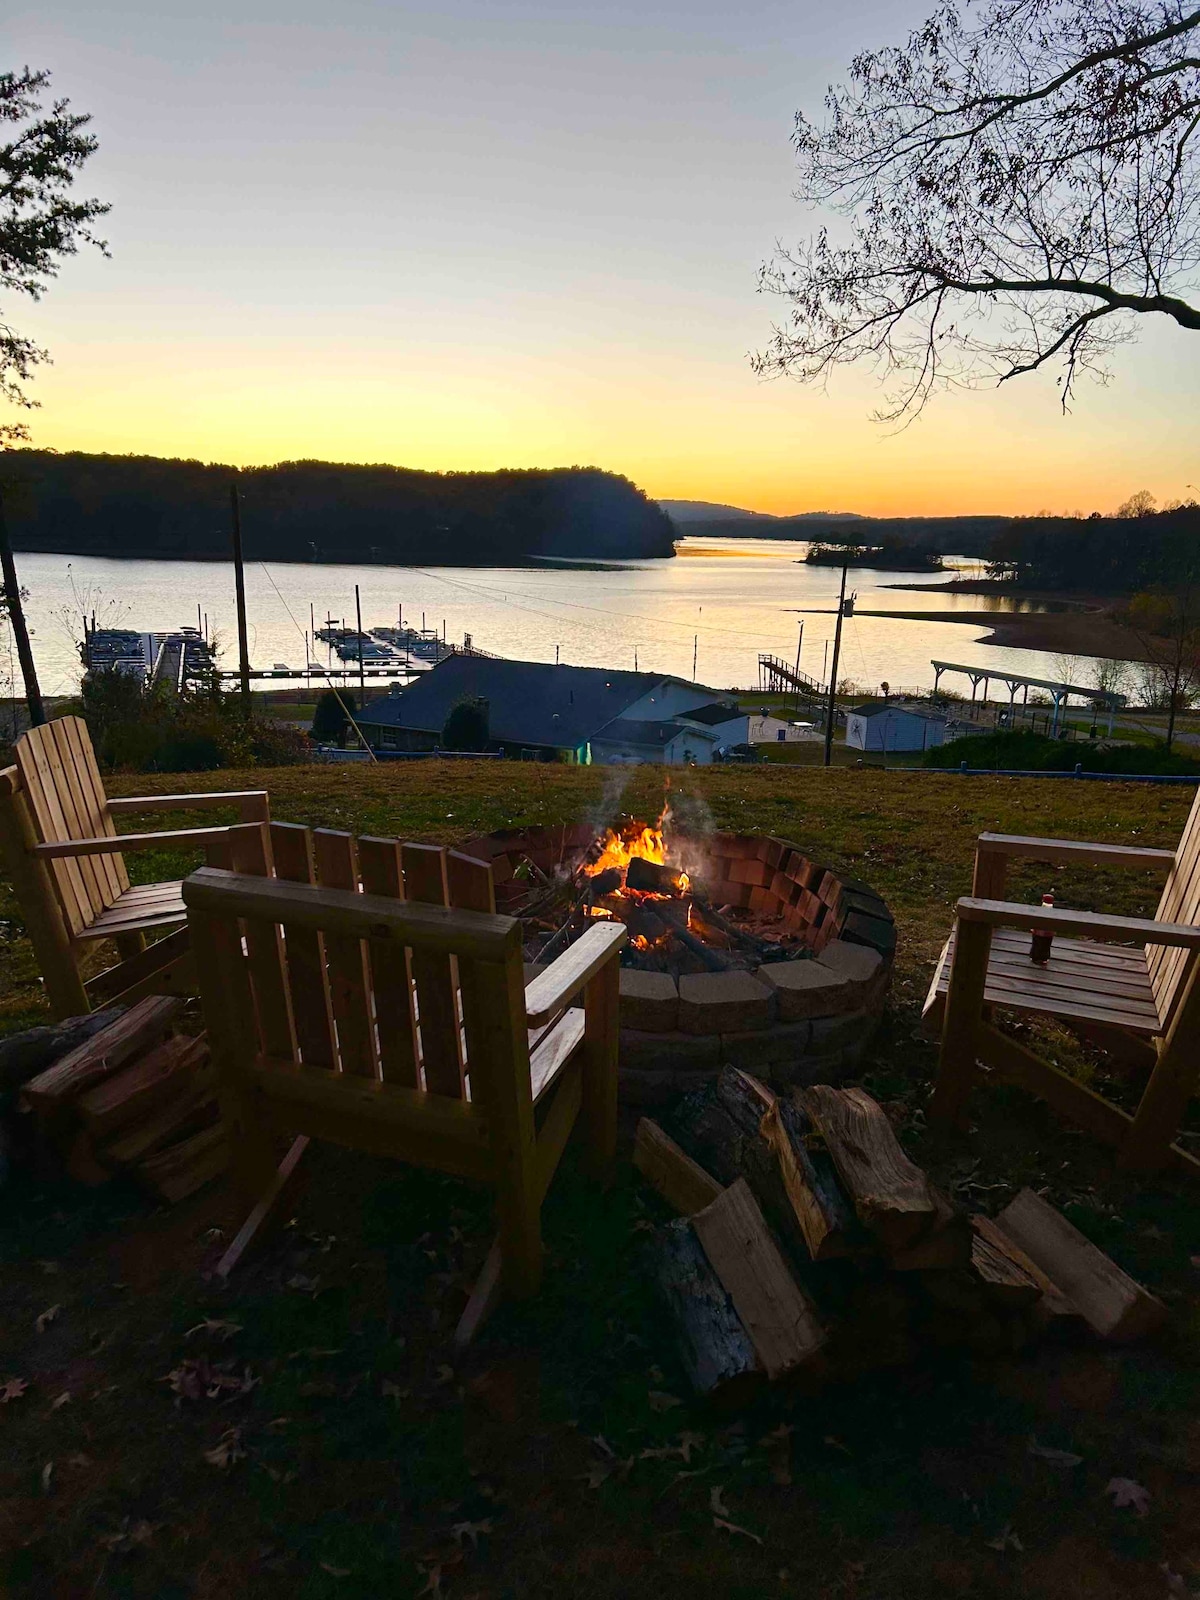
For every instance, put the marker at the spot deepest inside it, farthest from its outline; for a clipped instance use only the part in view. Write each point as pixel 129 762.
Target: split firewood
pixel 181 1169
pixel 682 1182
pixel 1051 1306
pixel 101 1055
pixel 826 1219
pixel 946 1244
pixel 1005 1281
pixel 193 1109
pixel 720 1126
pixel 1113 1304
pixel 780 1319
pixel 717 1352
pixel 890 1195
pixel 139 1089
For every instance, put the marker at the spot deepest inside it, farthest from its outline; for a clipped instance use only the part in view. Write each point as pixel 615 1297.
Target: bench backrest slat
pixel 1180 903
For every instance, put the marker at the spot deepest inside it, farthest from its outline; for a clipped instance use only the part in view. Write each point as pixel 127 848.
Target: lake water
pixel 728 600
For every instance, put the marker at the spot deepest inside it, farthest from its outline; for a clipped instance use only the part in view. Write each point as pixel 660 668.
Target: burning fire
pixel 619 849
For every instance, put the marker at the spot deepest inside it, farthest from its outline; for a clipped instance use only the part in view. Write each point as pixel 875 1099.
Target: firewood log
pixel 716 1350
pixel 826 1219
pixel 682 1182
pixel 947 1243
pixel 890 1195
pixel 782 1322
pixel 1113 1304
pixel 101 1055
pixel 141 1087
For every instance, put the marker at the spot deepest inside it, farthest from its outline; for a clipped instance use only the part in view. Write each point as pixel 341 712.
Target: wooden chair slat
pixel 469 887
pixel 1180 902
pixel 391 970
pixel 92 801
pixel 37 780
pixel 75 811
pixel 435 978
pixel 292 848
pixel 249 846
pixel 349 977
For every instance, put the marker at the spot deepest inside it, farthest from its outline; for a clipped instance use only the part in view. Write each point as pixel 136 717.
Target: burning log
pixel 606 882
pixel 651 877
pixel 713 960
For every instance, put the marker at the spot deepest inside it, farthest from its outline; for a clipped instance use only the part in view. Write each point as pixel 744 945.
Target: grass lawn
pixel 563 1457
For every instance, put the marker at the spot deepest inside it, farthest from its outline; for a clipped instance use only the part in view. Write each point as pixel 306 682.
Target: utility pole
pixel 239 582
pixel 799 642
pixel 695 652
pixel 16 617
pixel 837 646
pixel 362 677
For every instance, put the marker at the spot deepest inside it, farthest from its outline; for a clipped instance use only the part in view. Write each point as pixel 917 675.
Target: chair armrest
pixel 1095 925
pixel 1072 850
pixel 253 804
pixel 572 971
pixel 118 844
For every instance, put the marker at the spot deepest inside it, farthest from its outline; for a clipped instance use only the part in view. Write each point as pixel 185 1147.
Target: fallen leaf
pixel 79 1460
pixel 47 1475
pixel 335 1572
pixel 1007 1540
pixel 1045 1452
pixel 217 1327
pixel 304 1284
pixel 715 1503
pixel 689 1442
pixel 128 1537
pixel 12 1389
pixel 445 1374
pixel 598 1472
pixel 63 1399
pixel 471 1531
pixel 432 1584
pixel 1126 1492
pixel 393 1391
pixel 49 1267
pixel 660 1401
pixel 46 1318
pixel 836 1444
pixel 227 1450
pixel 732 1527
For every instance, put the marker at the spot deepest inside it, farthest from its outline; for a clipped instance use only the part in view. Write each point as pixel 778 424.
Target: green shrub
pixel 1033 752
pixel 139 728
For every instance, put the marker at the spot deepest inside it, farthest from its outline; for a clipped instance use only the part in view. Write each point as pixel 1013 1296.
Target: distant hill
pixel 960 536
pixel 323 511
pixel 682 511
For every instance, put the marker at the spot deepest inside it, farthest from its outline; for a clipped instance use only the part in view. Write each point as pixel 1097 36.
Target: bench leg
pixel 1171 1086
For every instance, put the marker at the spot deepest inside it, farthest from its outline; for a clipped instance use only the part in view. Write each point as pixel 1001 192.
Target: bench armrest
pixel 115 845
pixel 1072 850
pixel 562 980
pixel 253 804
pixel 1091 924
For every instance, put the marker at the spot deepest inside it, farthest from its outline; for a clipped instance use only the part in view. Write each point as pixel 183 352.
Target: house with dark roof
pixel 543 712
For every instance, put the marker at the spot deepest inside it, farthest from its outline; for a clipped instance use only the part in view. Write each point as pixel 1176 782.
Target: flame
pixel 619 849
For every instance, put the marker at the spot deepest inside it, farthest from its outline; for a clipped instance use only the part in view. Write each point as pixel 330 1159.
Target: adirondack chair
pixel 1123 994
pixel 67 867
pixel 368 994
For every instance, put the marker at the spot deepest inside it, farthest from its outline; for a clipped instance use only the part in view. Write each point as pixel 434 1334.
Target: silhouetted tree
pixel 39 225
pixel 1017 185
pixel 467 726
pixel 1168 625
pixel 329 717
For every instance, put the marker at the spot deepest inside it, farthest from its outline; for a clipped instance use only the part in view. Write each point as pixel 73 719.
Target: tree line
pixel 149 507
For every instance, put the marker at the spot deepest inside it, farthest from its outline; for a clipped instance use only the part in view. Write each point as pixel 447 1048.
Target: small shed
pixel 892 727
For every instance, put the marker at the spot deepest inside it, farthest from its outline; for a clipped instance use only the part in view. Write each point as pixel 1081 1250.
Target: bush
pixel 467 726
pixel 1033 752
pixel 138 728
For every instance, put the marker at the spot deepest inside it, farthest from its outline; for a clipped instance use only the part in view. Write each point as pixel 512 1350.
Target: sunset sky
pixel 485 233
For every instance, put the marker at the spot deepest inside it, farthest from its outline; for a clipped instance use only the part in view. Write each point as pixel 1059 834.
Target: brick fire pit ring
pixel 803 1020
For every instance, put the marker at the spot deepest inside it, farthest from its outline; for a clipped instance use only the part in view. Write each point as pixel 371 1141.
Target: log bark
pixel 716 1350
pixel 822 1211
pixel 890 1195
pixel 720 1127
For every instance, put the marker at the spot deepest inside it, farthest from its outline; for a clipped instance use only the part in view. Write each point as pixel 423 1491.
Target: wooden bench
pixel 67 866
pixel 365 991
pixel 1130 984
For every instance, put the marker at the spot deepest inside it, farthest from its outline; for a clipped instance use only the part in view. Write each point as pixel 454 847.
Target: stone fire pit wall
pixel 797 1021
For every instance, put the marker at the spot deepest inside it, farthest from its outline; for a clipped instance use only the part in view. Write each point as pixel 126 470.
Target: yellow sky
pixel 481 234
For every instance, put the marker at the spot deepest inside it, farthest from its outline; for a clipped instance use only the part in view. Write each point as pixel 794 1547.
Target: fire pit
pixel 743 949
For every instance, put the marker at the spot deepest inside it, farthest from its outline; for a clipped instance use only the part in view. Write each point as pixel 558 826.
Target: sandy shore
pixel 1088 628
